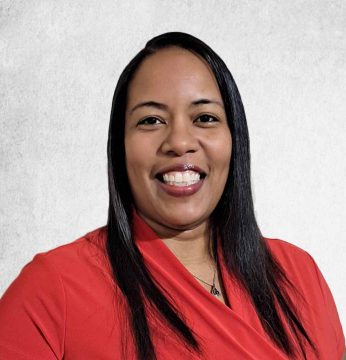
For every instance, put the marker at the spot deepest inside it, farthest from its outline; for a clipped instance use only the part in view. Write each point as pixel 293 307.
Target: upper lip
pixel 180 167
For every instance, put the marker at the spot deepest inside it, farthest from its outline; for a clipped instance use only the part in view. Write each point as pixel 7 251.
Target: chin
pixel 184 221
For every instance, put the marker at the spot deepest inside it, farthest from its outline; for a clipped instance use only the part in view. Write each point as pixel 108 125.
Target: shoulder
pixel 58 295
pixel 299 266
pixel 53 270
pixel 76 254
pixel 93 240
pixel 281 246
pixel 301 269
pixel 290 256
pixel 320 312
pixel 61 276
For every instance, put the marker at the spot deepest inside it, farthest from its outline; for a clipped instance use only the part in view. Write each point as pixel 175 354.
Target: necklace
pixel 213 289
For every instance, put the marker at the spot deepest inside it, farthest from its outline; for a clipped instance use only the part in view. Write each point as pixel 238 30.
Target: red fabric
pixel 63 305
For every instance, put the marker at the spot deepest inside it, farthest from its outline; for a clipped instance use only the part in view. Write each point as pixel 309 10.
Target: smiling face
pixel 177 141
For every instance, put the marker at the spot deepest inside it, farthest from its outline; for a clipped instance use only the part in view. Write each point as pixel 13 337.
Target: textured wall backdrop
pixel 60 60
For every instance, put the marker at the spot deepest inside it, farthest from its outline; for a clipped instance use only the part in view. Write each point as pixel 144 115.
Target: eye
pixel 206 119
pixel 150 121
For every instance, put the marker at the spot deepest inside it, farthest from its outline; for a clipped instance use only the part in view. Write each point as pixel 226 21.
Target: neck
pixel 192 245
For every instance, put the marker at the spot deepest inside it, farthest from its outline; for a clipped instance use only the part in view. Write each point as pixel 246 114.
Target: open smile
pixel 181 180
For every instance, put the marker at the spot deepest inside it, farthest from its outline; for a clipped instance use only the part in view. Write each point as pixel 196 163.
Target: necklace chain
pixel 213 289
pixel 205 281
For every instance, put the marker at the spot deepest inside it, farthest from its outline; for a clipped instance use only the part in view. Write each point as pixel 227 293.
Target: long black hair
pixel 233 222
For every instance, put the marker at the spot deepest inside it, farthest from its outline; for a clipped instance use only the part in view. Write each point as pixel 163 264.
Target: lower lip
pixel 179 191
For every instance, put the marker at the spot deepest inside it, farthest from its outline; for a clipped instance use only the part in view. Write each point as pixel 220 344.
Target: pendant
pixel 215 291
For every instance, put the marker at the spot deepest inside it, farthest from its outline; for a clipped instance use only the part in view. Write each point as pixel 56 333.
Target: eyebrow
pixel 164 107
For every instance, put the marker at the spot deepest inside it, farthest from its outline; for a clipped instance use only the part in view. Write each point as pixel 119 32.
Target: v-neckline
pixel 146 234
pixel 197 303
pixel 240 320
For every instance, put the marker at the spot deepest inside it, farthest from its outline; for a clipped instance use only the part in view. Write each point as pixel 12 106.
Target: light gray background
pixel 60 61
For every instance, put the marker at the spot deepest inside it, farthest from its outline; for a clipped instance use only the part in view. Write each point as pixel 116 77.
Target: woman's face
pixel 177 141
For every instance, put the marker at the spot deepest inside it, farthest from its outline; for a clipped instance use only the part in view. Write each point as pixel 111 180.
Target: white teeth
pixel 184 178
pixel 178 177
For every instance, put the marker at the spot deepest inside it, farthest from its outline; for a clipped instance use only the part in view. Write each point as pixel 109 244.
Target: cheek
pixel 221 151
pixel 137 160
pixel 132 157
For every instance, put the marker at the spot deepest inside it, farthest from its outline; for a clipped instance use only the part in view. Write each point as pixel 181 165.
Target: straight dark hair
pixel 233 223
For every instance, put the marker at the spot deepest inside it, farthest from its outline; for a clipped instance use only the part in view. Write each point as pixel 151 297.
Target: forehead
pixel 172 74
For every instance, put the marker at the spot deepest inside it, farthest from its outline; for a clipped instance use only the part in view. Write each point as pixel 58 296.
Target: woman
pixel 181 269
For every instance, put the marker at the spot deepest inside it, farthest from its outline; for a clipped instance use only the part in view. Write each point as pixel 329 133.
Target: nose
pixel 180 138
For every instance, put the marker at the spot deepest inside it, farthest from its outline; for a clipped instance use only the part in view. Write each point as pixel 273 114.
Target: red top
pixel 63 306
